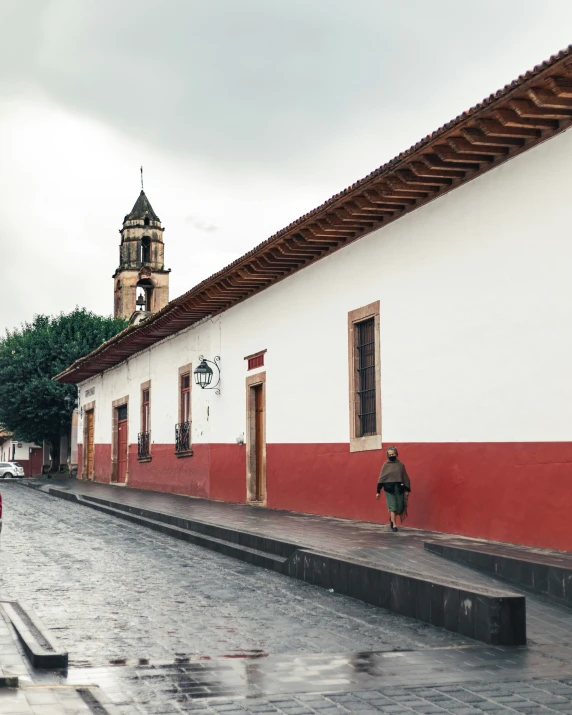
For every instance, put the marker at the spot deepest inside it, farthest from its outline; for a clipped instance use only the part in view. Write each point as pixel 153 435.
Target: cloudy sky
pixel 244 113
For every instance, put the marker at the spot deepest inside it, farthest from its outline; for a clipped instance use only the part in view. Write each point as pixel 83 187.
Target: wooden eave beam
pixel 421 169
pixel 346 217
pixel 479 138
pixel 264 270
pixel 544 98
pixel 399 188
pixel 526 108
pixel 274 255
pixel 367 207
pixel 562 86
pixel 309 235
pixel 334 227
pixel 299 247
pixel 510 118
pixel 319 229
pixel 291 255
pixel 426 183
pixel 373 216
pixel 494 128
pixel 449 154
pixel 459 144
pixel 435 162
pixel 382 194
pixel 275 265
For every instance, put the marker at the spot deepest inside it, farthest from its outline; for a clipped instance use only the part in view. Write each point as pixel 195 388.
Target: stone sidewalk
pixel 462 680
pixel 548 624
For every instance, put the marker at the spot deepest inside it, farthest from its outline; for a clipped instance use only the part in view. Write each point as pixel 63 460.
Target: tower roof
pixel 141 209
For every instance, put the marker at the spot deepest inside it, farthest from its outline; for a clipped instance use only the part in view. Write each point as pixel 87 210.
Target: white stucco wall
pixel 476 326
pixel 21 452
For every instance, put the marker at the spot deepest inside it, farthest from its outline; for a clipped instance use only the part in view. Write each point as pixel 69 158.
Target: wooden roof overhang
pixel 534 107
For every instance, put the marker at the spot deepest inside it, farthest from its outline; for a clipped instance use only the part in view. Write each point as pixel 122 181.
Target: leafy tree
pixel 32 406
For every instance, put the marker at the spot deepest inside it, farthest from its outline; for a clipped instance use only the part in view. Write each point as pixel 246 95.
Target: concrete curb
pixel 8 681
pixel 97 702
pixel 40 646
pixel 544 578
pixel 493 616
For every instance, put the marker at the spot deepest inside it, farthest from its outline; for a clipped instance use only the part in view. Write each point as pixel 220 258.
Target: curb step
pixel 492 615
pixel 8 681
pixel 547 578
pixel 254 541
pixel 256 557
pixel 40 646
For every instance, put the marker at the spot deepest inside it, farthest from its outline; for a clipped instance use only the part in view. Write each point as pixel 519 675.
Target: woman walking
pixel 394 480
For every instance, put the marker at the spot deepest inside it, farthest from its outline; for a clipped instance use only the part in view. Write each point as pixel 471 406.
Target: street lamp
pixel 204 374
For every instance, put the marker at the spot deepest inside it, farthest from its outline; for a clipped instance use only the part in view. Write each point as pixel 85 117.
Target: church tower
pixel 141 283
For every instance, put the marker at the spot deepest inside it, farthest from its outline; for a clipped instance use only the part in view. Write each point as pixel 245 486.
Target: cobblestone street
pixel 158 624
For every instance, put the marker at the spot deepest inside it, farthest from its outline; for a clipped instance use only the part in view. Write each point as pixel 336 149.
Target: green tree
pixel 32 406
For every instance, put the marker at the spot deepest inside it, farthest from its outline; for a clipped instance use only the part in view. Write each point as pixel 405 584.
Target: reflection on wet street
pixel 161 626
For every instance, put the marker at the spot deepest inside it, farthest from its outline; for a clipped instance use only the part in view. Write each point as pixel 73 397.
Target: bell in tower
pixel 141 283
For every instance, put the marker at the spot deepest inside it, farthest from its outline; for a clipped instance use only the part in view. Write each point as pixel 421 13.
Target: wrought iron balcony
pixel 183 437
pixel 143 445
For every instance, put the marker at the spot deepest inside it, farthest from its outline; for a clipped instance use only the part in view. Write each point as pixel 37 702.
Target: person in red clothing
pixel 394 480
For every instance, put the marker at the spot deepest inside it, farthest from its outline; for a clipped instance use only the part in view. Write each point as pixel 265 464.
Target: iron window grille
pixel 183 437
pixel 365 360
pixel 143 445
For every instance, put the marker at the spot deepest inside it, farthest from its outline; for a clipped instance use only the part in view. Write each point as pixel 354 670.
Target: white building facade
pixel 447 333
pixel 27 454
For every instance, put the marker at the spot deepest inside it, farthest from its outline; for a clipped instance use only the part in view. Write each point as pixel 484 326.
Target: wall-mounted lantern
pixel 71 402
pixel 204 374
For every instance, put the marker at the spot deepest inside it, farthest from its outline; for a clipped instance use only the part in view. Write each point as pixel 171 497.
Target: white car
pixel 11 469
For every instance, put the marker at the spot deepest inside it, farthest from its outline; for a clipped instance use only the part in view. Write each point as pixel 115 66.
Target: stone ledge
pixel 8 681
pixel 40 646
pixel 495 616
pixel 536 575
pixel 492 616
pixel 188 453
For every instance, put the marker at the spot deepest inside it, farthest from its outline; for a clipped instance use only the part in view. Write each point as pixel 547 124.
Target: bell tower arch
pixel 141 282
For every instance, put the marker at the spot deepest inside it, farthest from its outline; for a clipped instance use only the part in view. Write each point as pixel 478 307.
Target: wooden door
pixel 121 451
pixel 89 447
pixel 259 485
pixel 36 461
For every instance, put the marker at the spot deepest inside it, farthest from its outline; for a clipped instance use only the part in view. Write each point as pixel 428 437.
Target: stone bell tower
pixel 140 283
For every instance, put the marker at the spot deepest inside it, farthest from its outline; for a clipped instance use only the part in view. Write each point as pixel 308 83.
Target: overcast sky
pixel 244 113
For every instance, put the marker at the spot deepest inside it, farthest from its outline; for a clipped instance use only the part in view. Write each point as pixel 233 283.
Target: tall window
pixel 145 412
pixel 183 428
pixel 144 436
pixel 365 378
pixel 186 397
pixel 365 364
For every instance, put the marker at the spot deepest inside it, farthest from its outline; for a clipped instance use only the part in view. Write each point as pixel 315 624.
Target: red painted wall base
pixel 514 492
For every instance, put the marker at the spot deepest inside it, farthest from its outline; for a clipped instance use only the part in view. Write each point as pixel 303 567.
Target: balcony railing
pixel 143 445
pixel 183 437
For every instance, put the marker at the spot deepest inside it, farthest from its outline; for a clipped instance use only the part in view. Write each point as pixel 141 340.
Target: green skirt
pixel 395 502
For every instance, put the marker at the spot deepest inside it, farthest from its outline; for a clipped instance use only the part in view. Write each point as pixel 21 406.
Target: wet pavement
pixel 162 626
